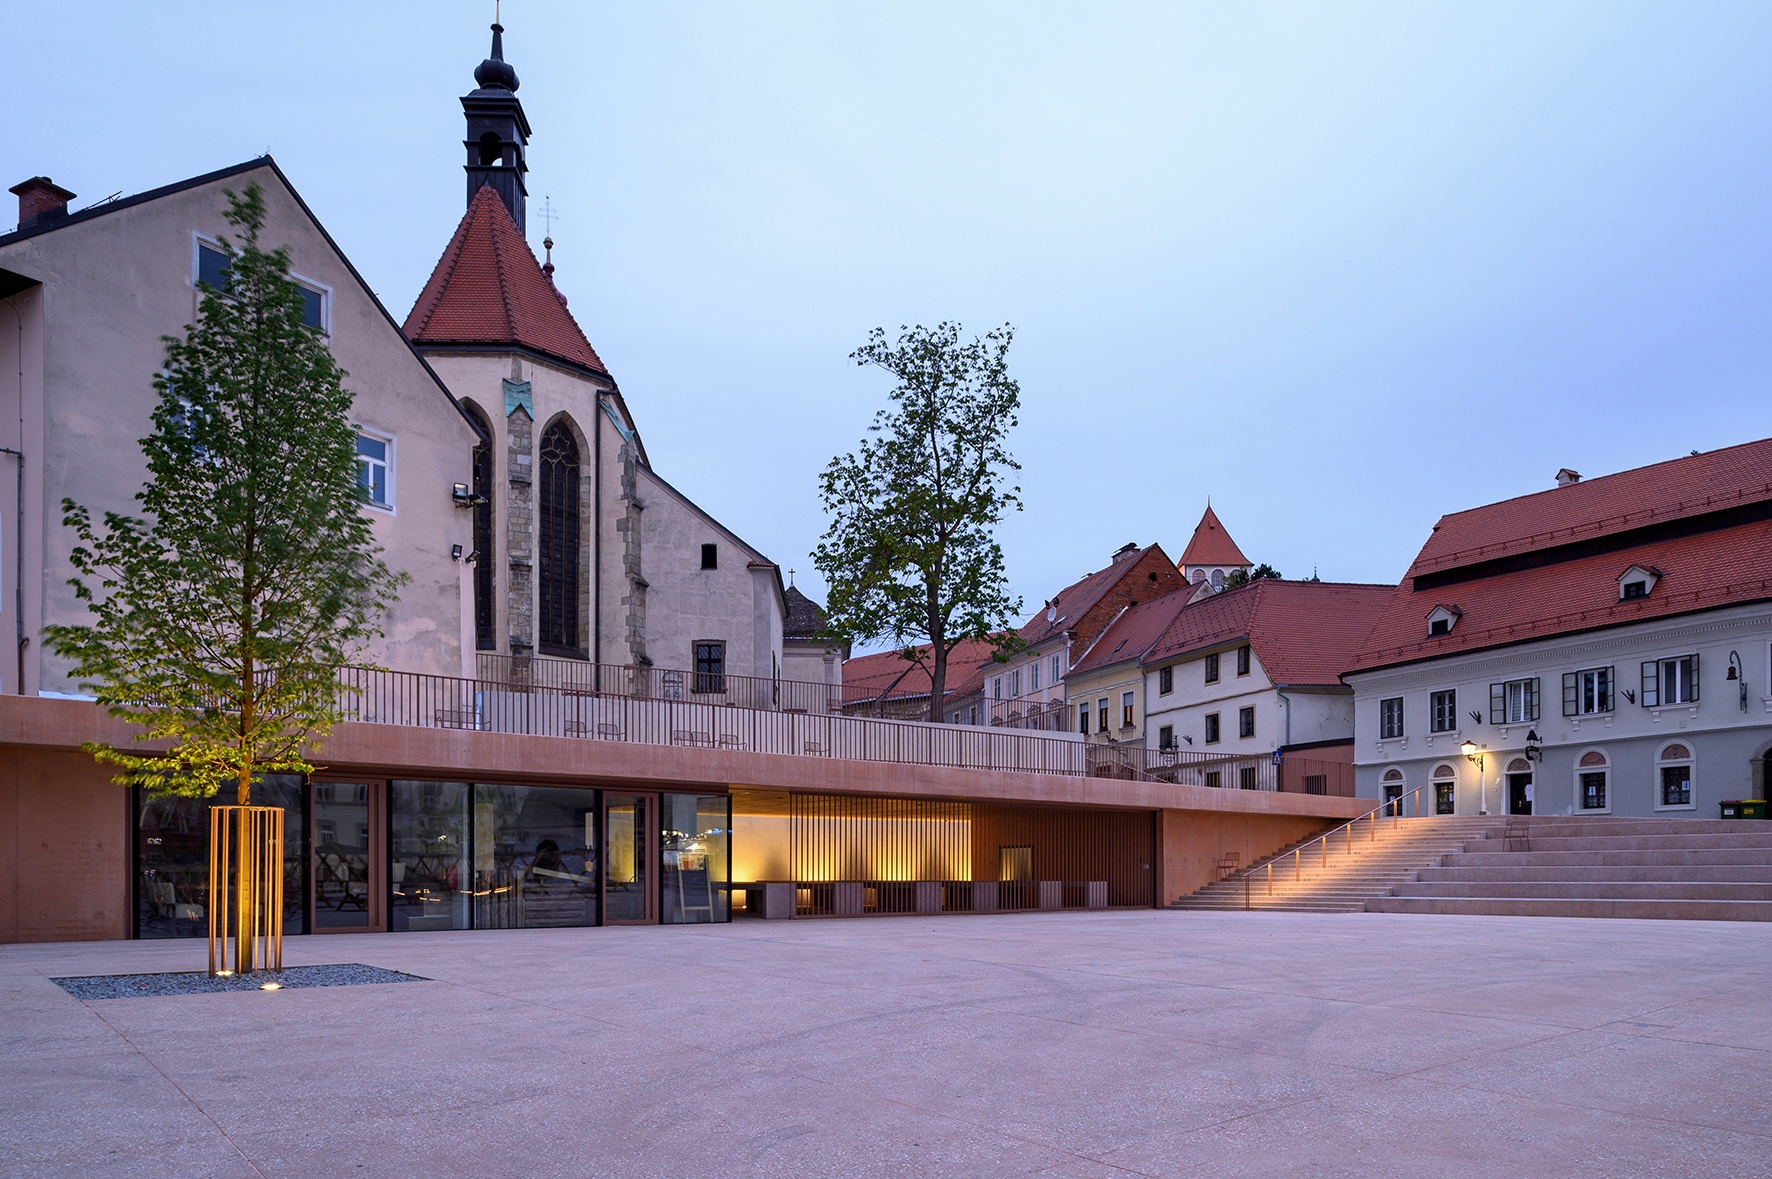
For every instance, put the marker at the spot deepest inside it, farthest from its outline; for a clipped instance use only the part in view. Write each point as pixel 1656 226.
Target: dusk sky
pixel 1341 267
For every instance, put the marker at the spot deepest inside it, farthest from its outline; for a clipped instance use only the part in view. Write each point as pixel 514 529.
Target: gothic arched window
pixel 485 613
pixel 557 536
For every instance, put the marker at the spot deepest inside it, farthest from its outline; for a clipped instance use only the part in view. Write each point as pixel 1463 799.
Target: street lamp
pixel 1475 756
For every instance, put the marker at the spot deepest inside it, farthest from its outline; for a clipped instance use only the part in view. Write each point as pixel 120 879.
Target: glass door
pixel 350 844
pixel 630 871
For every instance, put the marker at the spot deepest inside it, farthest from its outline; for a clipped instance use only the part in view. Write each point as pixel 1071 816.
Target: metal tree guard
pixel 246 846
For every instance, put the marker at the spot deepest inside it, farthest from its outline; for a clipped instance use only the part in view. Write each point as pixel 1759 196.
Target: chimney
pixel 40 199
pixel 1125 549
pixel 1568 478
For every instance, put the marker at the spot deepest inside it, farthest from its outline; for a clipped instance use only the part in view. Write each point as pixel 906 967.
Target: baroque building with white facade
pixel 1603 647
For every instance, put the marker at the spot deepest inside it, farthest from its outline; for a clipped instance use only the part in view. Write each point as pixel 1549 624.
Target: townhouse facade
pixel 1028 690
pixel 1256 669
pixel 1600 648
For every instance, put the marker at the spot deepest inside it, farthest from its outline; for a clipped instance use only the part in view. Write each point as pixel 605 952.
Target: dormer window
pixel 1637 582
pixel 1442 620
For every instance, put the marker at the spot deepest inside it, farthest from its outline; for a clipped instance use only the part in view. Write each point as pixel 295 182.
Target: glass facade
pixel 172 858
pixel 452 855
pixel 343 889
pixel 428 865
pixel 535 857
pixel 695 869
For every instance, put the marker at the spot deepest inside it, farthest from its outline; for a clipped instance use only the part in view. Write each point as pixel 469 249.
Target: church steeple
pixel 498 132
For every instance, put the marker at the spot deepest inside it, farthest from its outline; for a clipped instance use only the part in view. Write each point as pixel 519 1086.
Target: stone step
pixel 1646 890
pixel 1577 859
pixel 1562 825
pixel 1542 907
pixel 1675 842
pixel 1745 873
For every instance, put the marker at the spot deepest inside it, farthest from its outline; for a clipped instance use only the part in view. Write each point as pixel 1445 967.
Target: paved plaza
pixel 1085 1044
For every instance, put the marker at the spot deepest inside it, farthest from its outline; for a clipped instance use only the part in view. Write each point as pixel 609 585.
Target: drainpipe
pixel 1284 699
pixel 18 532
pixel 597 541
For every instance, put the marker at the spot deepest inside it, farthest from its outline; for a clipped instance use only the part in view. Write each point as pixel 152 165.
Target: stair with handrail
pixel 1345 867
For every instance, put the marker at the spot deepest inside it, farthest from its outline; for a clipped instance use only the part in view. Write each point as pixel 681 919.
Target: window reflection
pixel 695 868
pixel 341 855
pixel 535 857
pixel 172 858
pixel 428 867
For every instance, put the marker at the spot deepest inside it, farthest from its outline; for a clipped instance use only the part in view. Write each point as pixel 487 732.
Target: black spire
pixel 493 71
pixel 498 132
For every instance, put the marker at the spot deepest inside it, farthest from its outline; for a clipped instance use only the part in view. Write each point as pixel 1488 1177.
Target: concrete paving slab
pixel 1071 1044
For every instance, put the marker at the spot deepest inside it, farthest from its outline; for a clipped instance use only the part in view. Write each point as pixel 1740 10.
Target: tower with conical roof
pixel 581 552
pixel 1211 556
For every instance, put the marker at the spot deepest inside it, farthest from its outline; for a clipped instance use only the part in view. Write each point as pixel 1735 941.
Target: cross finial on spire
pixel 548 215
pixel 790 579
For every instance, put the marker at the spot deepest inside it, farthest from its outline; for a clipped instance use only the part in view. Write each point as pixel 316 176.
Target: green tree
pixel 220 620
pixel 911 552
pixel 1237 577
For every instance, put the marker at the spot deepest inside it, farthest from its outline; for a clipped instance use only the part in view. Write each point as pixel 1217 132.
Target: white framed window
pixel 1101 719
pixel 375 469
pixel 996 687
pixel 1083 718
pixel 1390 718
pixel 1445 781
pixel 1514 702
pixel 1034 676
pixel 1057 670
pixel 1015 684
pixel 1674 777
pixel 1588 692
pixel 1126 705
pixel 1443 711
pixel 1593 783
pixel 1667 682
pixel 1246 721
pixel 209 264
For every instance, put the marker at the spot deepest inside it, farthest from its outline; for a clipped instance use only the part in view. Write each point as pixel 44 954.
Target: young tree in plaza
pixel 911 552
pixel 220 618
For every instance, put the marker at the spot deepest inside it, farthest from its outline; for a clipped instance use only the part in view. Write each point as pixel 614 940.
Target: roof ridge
pixel 504 274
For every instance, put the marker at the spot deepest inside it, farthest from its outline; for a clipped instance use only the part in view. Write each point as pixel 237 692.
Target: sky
pixel 1342 268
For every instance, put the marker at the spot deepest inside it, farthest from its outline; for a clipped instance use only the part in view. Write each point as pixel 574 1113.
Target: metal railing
pixel 1390 808
pixel 633 709
pixel 659 683
pixel 640 715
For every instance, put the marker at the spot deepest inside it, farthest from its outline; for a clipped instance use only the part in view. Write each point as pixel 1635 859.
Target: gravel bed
pixel 131 986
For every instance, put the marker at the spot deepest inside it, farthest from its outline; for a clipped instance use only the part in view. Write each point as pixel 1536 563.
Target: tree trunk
pixel 938 678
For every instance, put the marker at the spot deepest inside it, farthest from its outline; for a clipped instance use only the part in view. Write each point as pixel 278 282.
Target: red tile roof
pixel 1212 545
pixel 1679 488
pixel 1075 600
pixel 489 289
pixel 1725 567
pixel 1131 634
pixel 1304 632
pixel 888 675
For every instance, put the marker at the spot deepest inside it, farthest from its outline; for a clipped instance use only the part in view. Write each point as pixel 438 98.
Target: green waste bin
pixel 1744 808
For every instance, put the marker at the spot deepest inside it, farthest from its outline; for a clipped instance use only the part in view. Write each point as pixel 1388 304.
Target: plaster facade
pixel 1726 730
pixel 104 287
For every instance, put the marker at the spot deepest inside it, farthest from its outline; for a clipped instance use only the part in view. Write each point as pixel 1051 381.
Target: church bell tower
pixel 498 132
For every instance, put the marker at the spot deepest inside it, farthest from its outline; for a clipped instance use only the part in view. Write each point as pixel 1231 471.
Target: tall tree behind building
pixel 219 622
pixel 911 553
